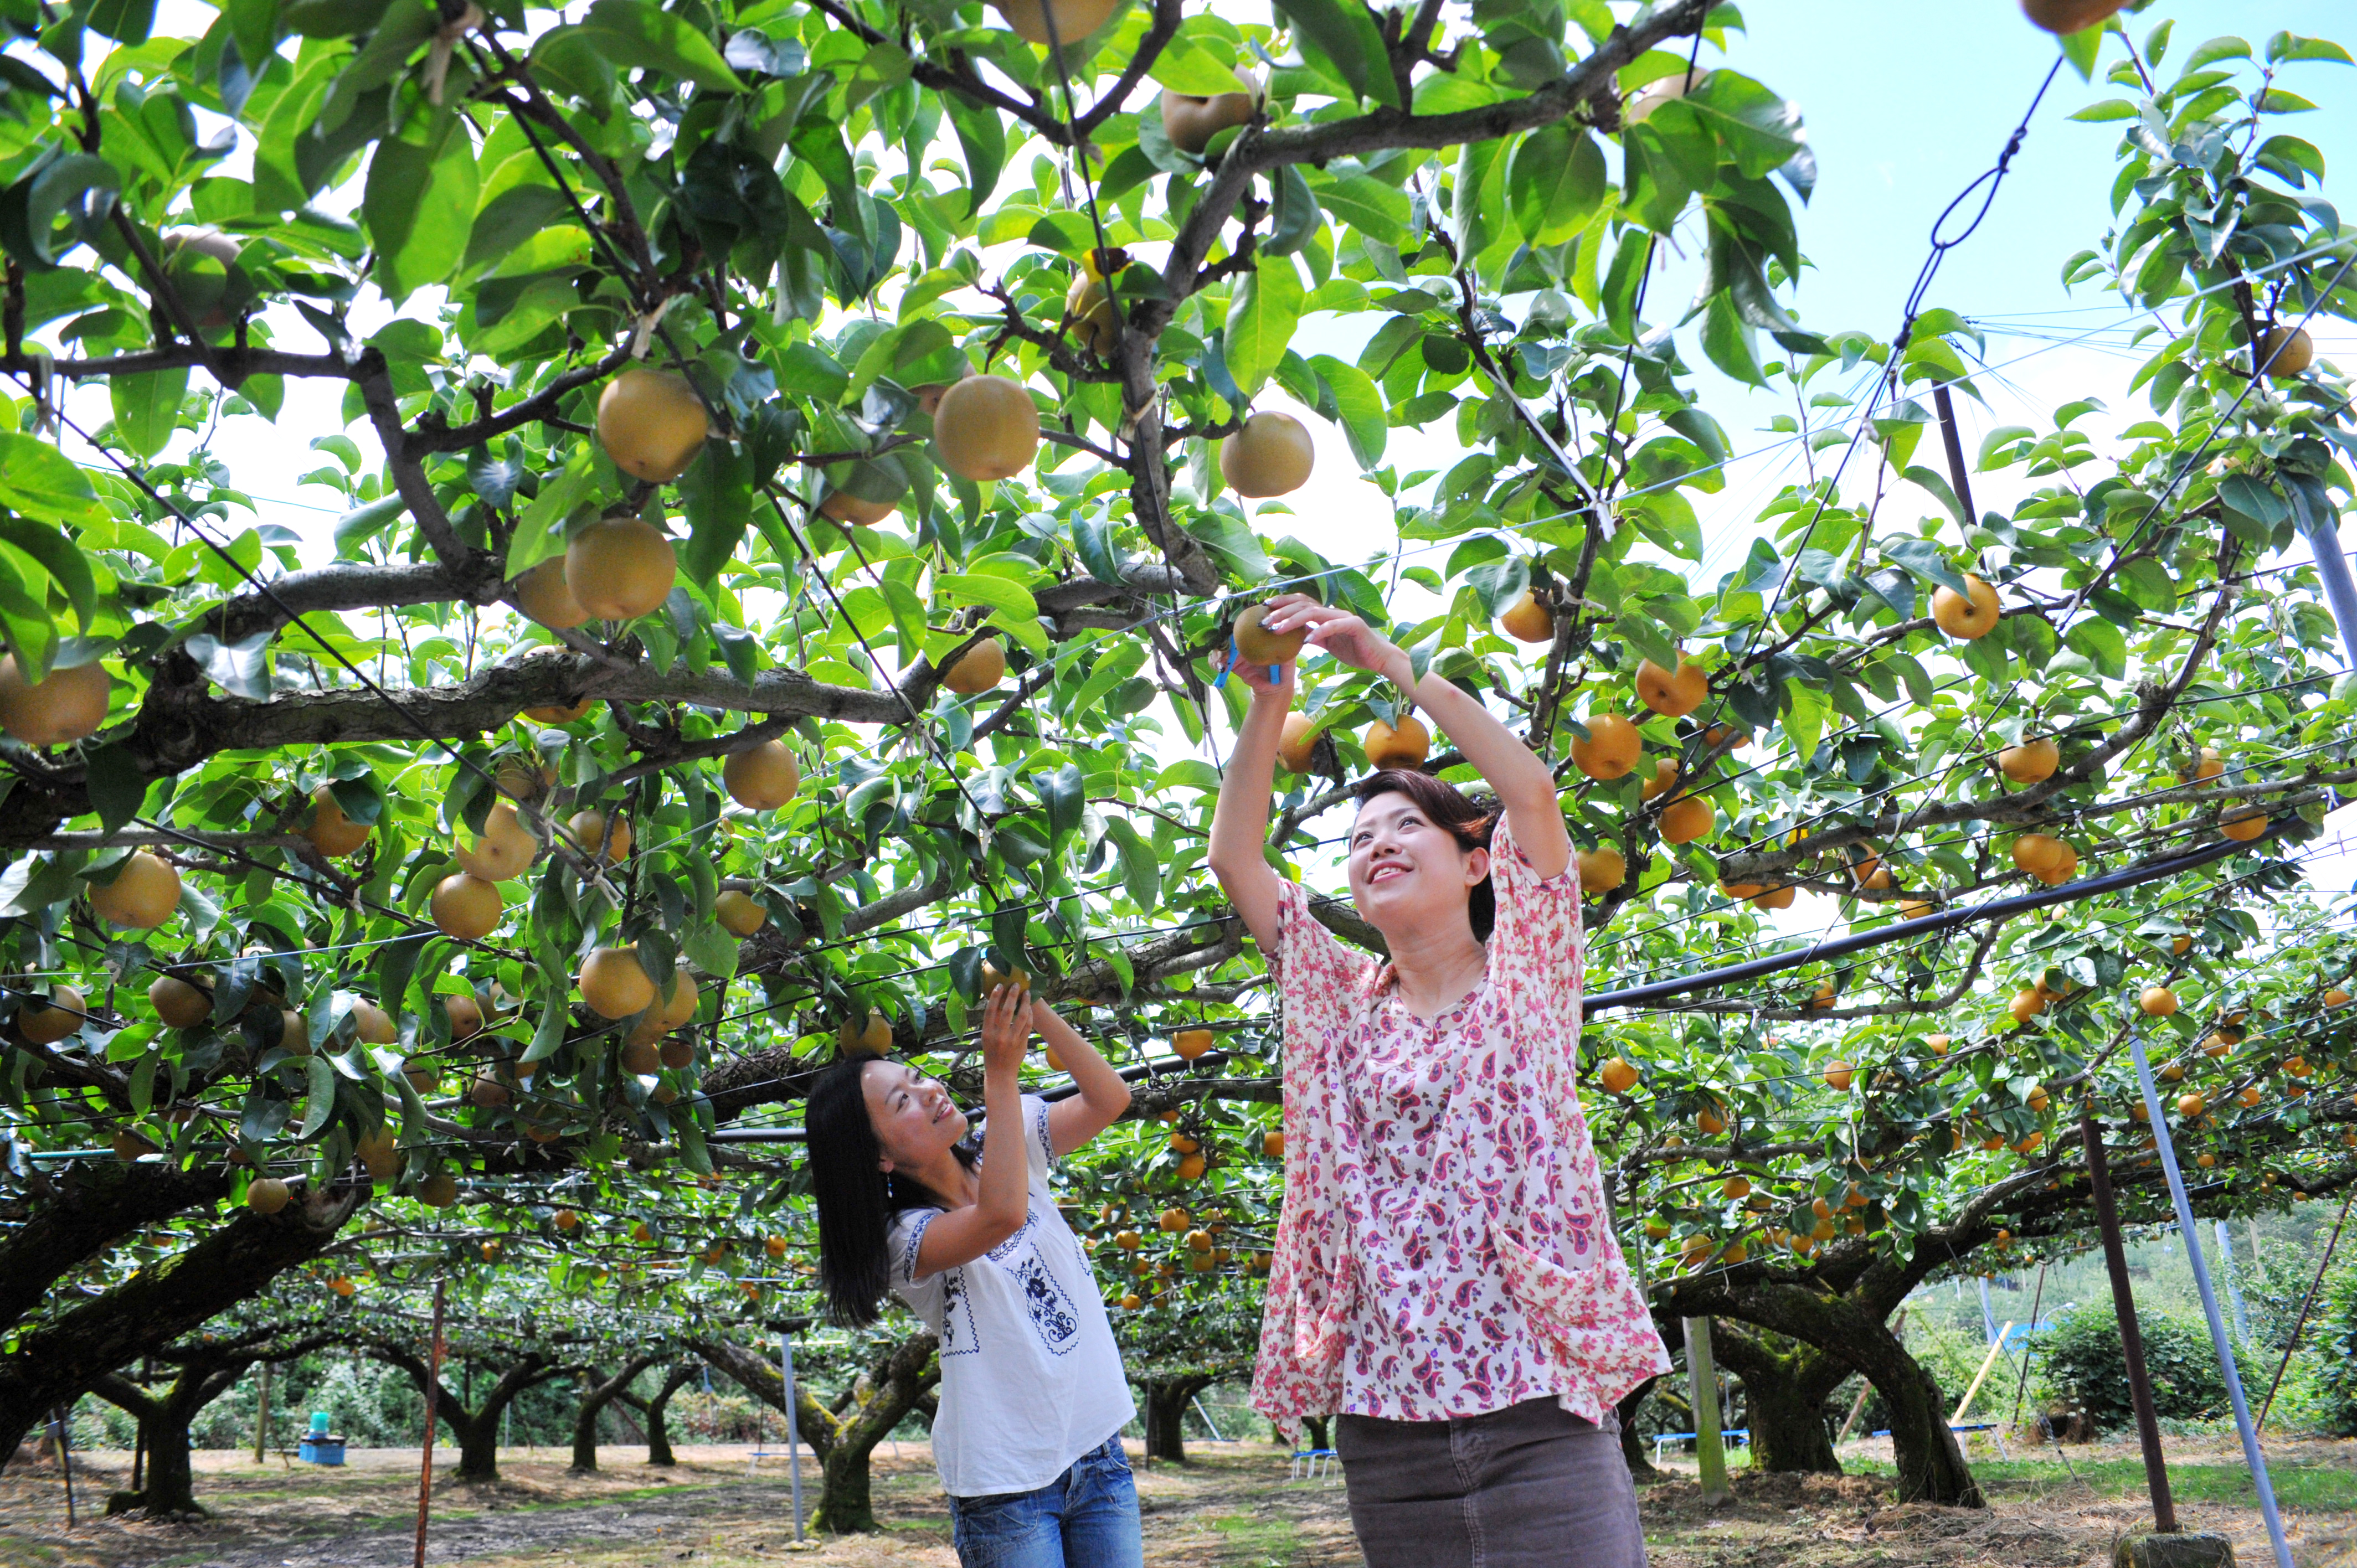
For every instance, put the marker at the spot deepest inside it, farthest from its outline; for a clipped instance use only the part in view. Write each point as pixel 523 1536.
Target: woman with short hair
pixel 1444 1273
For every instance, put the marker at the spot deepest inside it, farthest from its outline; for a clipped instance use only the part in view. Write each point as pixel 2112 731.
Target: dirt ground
pixel 1232 1507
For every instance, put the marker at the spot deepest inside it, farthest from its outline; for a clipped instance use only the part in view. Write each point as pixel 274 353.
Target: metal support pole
pixel 794 1429
pixel 2115 1262
pixel 432 1415
pixel 2233 1296
pixel 1954 441
pixel 2322 525
pixel 1702 1390
pixel 1988 1318
pixel 1205 1417
pixel 2250 1454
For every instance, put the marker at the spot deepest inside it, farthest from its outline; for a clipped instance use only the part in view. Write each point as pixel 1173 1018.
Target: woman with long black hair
pixel 1027 1439
pixel 1444 1275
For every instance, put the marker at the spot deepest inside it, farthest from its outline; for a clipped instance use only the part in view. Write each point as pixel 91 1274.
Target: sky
pixel 1905 106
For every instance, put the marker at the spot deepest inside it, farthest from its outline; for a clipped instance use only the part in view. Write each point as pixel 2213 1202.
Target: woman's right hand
pixel 1005 1028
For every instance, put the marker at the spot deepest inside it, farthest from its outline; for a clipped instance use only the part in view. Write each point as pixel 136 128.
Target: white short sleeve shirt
pixel 1030 1379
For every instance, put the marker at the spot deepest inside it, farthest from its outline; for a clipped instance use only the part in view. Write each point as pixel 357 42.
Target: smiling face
pixel 915 1120
pixel 1407 872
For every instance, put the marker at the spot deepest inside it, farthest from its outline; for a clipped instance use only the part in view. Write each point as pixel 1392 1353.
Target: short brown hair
pixel 1463 818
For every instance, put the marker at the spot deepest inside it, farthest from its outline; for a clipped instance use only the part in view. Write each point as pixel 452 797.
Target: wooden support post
pixel 1702 1390
pixel 433 1414
pixel 262 1420
pixel 2115 1261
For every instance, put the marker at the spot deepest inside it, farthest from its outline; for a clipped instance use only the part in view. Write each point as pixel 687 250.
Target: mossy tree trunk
pixel 1785 1388
pixel 844 1438
pixel 64 1356
pixel 1931 1468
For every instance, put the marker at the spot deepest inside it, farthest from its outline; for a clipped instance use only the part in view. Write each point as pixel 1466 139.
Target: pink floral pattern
pixel 1444 1248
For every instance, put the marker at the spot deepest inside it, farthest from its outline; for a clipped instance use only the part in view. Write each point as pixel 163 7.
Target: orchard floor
pixel 1231 1508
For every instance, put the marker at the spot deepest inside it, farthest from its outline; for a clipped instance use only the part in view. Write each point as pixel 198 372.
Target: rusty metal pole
pixel 62 1415
pixel 433 1413
pixel 2115 1261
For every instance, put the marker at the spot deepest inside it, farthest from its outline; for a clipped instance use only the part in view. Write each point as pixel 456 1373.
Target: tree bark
pixel 478 1431
pixel 846 1441
pixel 206 1373
pixel 91 1206
pixel 658 1432
pixel 1633 1445
pixel 1166 1413
pixel 595 1398
pixel 1784 1391
pixel 65 1358
pixel 1931 1468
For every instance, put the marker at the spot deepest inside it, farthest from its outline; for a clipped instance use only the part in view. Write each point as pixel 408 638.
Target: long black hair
pixel 855 1200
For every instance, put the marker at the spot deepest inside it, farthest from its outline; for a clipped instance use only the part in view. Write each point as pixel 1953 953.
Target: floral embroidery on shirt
pixel 1441 1249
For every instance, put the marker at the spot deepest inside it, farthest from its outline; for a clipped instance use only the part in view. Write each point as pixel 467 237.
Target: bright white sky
pixel 1904 106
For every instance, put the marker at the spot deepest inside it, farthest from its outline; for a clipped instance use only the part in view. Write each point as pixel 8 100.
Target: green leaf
pixel 1359 406
pixel 79 185
pixel 41 482
pixel 1378 211
pixel 1186 66
pixel 637 36
pixel 1066 795
pixel 1261 318
pixel 57 555
pixel 363 524
pixel 1093 543
pixel 420 205
pixel 2109 109
pixel 1761 132
pixel 1003 594
pixel 1343 32
pixel 1236 546
pixel 1927 480
pixel 1558 180
pixel 147 407
pixel 540 531
pixel 983 140
pixel 1923 558
pixel 319 1102
pixel 117 787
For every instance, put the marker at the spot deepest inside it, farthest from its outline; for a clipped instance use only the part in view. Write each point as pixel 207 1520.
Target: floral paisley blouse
pixel 1444 1248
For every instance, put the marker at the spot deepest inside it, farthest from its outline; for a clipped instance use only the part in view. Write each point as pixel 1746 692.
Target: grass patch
pixel 1255 1542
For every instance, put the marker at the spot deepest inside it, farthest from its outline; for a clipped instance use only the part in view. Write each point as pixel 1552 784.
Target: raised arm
pixel 1524 786
pixel 1240 821
pixel 1102 1095
pixel 962 1235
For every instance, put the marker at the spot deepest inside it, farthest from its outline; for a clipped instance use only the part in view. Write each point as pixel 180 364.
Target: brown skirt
pixel 1528 1486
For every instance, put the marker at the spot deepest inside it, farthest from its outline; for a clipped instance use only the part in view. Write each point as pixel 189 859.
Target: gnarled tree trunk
pixel 477 1429
pixel 844 1440
pixel 1633 1445
pixel 1784 1387
pixel 1166 1399
pixel 65 1358
pixel 595 1396
pixel 658 1432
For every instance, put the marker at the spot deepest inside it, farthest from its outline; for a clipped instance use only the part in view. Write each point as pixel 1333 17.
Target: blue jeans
pixel 1085 1518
